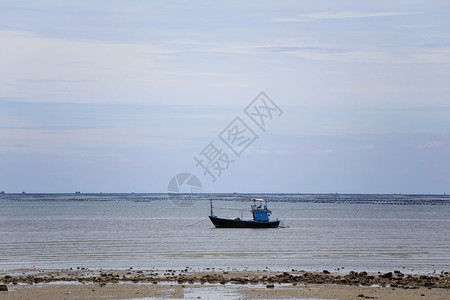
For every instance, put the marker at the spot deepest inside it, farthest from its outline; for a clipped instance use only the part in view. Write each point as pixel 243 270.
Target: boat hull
pixel 230 223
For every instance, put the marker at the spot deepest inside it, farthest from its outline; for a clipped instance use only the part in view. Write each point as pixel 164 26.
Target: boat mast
pixel 210 202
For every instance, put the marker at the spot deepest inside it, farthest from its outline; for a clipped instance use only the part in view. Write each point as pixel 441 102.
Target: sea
pixel 339 233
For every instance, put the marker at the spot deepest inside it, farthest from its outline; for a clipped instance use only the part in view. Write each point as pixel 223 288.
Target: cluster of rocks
pixel 396 279
pixel 391 279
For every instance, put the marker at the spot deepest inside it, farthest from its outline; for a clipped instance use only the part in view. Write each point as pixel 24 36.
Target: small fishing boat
pixel 260 214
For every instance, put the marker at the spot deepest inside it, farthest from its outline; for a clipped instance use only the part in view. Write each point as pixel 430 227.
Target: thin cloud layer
pixel 328 15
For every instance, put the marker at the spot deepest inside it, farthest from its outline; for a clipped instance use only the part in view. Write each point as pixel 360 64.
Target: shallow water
pixel 64 233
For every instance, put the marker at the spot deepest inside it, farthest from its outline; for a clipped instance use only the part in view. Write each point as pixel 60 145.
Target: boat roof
pixel 257 199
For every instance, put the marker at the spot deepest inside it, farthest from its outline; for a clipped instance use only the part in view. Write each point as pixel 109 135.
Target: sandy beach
pixel 209 283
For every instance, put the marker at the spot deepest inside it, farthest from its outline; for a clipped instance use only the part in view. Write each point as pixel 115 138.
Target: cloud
pixel 430 145
pixel 414 26
pixel 371 146
pixel 302 48
pixel 48 69
pixel 347 56
pixel 438 55
pixel 44 80
pixel 323 151
pixel 283 152
pixel 44 69
pixel 20 146
pixel 338 16
pixel 434 56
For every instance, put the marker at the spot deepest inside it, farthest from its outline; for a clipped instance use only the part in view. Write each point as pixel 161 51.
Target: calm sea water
pixel 120 232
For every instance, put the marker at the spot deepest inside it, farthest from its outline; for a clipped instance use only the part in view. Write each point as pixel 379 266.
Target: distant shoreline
pixel 388 199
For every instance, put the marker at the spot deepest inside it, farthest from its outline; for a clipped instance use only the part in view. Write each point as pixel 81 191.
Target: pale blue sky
pixel 119 96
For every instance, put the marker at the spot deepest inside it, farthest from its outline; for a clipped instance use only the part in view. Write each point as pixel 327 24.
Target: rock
pixel 326 272
pixel 353 274
pixel 270 286
pixel 387 275
pixel 3 288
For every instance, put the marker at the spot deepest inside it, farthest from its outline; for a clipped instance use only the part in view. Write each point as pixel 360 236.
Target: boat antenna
pixel 210 203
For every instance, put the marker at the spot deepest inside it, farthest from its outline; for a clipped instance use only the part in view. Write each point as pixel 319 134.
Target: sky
pixel 122 96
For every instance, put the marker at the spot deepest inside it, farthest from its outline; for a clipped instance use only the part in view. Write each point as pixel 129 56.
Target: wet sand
pixel 209 283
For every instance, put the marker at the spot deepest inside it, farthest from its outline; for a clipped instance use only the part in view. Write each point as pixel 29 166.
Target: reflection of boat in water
pixel 260 214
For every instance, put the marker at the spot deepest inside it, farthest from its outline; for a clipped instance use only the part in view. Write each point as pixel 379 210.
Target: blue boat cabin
pixel 259 210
